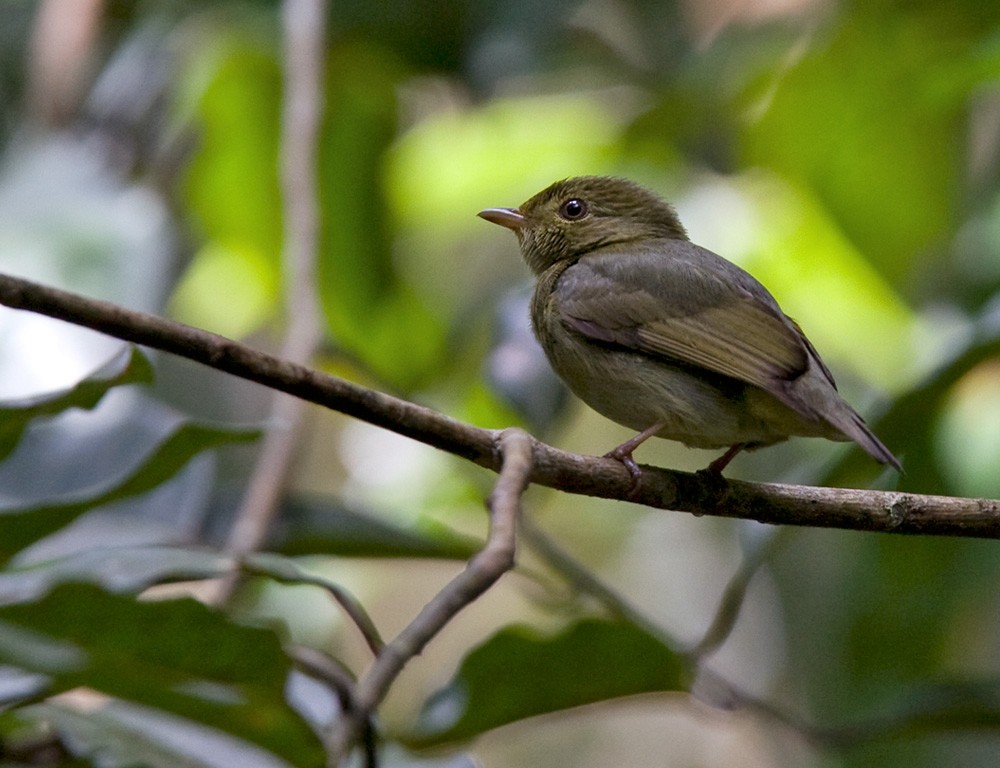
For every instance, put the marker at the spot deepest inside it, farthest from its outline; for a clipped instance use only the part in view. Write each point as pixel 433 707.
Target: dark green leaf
pixel 317 525
pixel 175 655
pixel 948 706
pixel 370 310
pixel 116 569
pixel 133 569
pixel 129 366
pixel 356 262
pixel 520 673
pixel 20 527
pixel 232 191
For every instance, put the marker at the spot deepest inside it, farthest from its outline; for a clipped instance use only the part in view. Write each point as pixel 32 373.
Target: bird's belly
pixel 699 409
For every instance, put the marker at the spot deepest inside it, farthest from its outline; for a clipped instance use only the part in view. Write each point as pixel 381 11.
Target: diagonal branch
pixel 581 578
pixel 885 511
pixel 482 572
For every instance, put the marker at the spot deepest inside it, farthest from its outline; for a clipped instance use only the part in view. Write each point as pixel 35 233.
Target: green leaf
pixel 133 569
pixel 20 527
pixel 316 525
pixel 952 706
pixel 871 117
pixel 356 266
pixel 178 656
pixel 246 279
pixel 232 181
pixel 232 190
pixel 369 308
pixel 520 673
pixel 116 569
pixel 906 428
pixel 129 366
pixel 117 734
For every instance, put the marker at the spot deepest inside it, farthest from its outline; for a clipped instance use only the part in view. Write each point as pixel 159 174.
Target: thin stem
pixel 728 611
pixel 288 573
pixel 304 25
pixel 482 571
pixel 587 582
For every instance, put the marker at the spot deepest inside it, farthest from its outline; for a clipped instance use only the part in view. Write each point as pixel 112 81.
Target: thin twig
pixel 287 572
pixel 728 611
pixel 717 691
pixel 884 511
pixel 304 25
pixel 587 582
pixel 328 670
pixel 482 571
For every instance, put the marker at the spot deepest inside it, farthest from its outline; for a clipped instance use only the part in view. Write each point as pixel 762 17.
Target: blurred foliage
pixel 848 154
pixel 21 526
pixel 238 687
pixel 517 674
pixel 128 367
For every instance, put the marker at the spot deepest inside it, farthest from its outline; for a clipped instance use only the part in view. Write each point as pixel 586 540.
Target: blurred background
pixel 845 153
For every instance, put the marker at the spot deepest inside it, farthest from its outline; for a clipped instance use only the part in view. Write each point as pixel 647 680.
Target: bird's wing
pixel 674 300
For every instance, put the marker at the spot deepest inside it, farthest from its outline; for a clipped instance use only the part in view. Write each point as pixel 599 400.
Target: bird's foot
pixel 623 454
pixel 715 468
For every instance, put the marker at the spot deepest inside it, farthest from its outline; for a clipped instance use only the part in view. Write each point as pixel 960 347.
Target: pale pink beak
pixel 505 217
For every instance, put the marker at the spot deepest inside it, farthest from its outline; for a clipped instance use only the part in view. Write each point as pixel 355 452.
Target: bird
pixel 665 337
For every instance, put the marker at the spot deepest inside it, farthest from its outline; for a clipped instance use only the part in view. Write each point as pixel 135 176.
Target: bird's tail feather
pixel 848 421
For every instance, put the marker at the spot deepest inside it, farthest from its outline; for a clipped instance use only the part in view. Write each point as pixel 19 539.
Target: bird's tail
pixel 848 421
pixel 815 393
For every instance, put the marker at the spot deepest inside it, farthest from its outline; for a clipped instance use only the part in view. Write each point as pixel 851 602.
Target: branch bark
pixel 862 510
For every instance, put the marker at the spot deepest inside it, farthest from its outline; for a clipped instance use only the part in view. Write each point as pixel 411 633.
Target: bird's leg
pixel 623 452
pixel 722 462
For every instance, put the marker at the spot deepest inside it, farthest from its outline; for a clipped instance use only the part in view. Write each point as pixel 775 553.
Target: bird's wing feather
pixel 686 305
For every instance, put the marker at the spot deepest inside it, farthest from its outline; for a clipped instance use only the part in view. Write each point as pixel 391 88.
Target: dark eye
pixel 573 209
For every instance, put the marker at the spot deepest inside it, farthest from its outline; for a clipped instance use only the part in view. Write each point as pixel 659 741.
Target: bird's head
pixel 575 216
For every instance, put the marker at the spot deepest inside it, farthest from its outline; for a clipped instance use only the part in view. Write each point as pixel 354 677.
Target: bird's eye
pixel 573 209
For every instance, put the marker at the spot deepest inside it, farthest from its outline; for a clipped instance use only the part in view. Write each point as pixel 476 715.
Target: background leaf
pixel 20 527
pixel 206 668
pixel 312 524
pixel 115 569
pixel 129 366
pixel 520 673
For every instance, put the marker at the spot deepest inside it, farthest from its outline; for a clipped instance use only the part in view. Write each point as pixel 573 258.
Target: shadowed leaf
pixel 520 673
pixel 319 525
pixel 178 656
pixel 20 527
pixel 129 366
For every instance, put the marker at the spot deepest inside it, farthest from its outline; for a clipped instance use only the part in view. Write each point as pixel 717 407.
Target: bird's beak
pixel 505 217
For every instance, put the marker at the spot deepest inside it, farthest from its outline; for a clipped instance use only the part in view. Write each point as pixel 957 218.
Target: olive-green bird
pixel 663 336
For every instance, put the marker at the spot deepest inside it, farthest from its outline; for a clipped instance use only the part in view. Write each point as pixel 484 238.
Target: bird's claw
pixel 623 454
pixel 625 458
